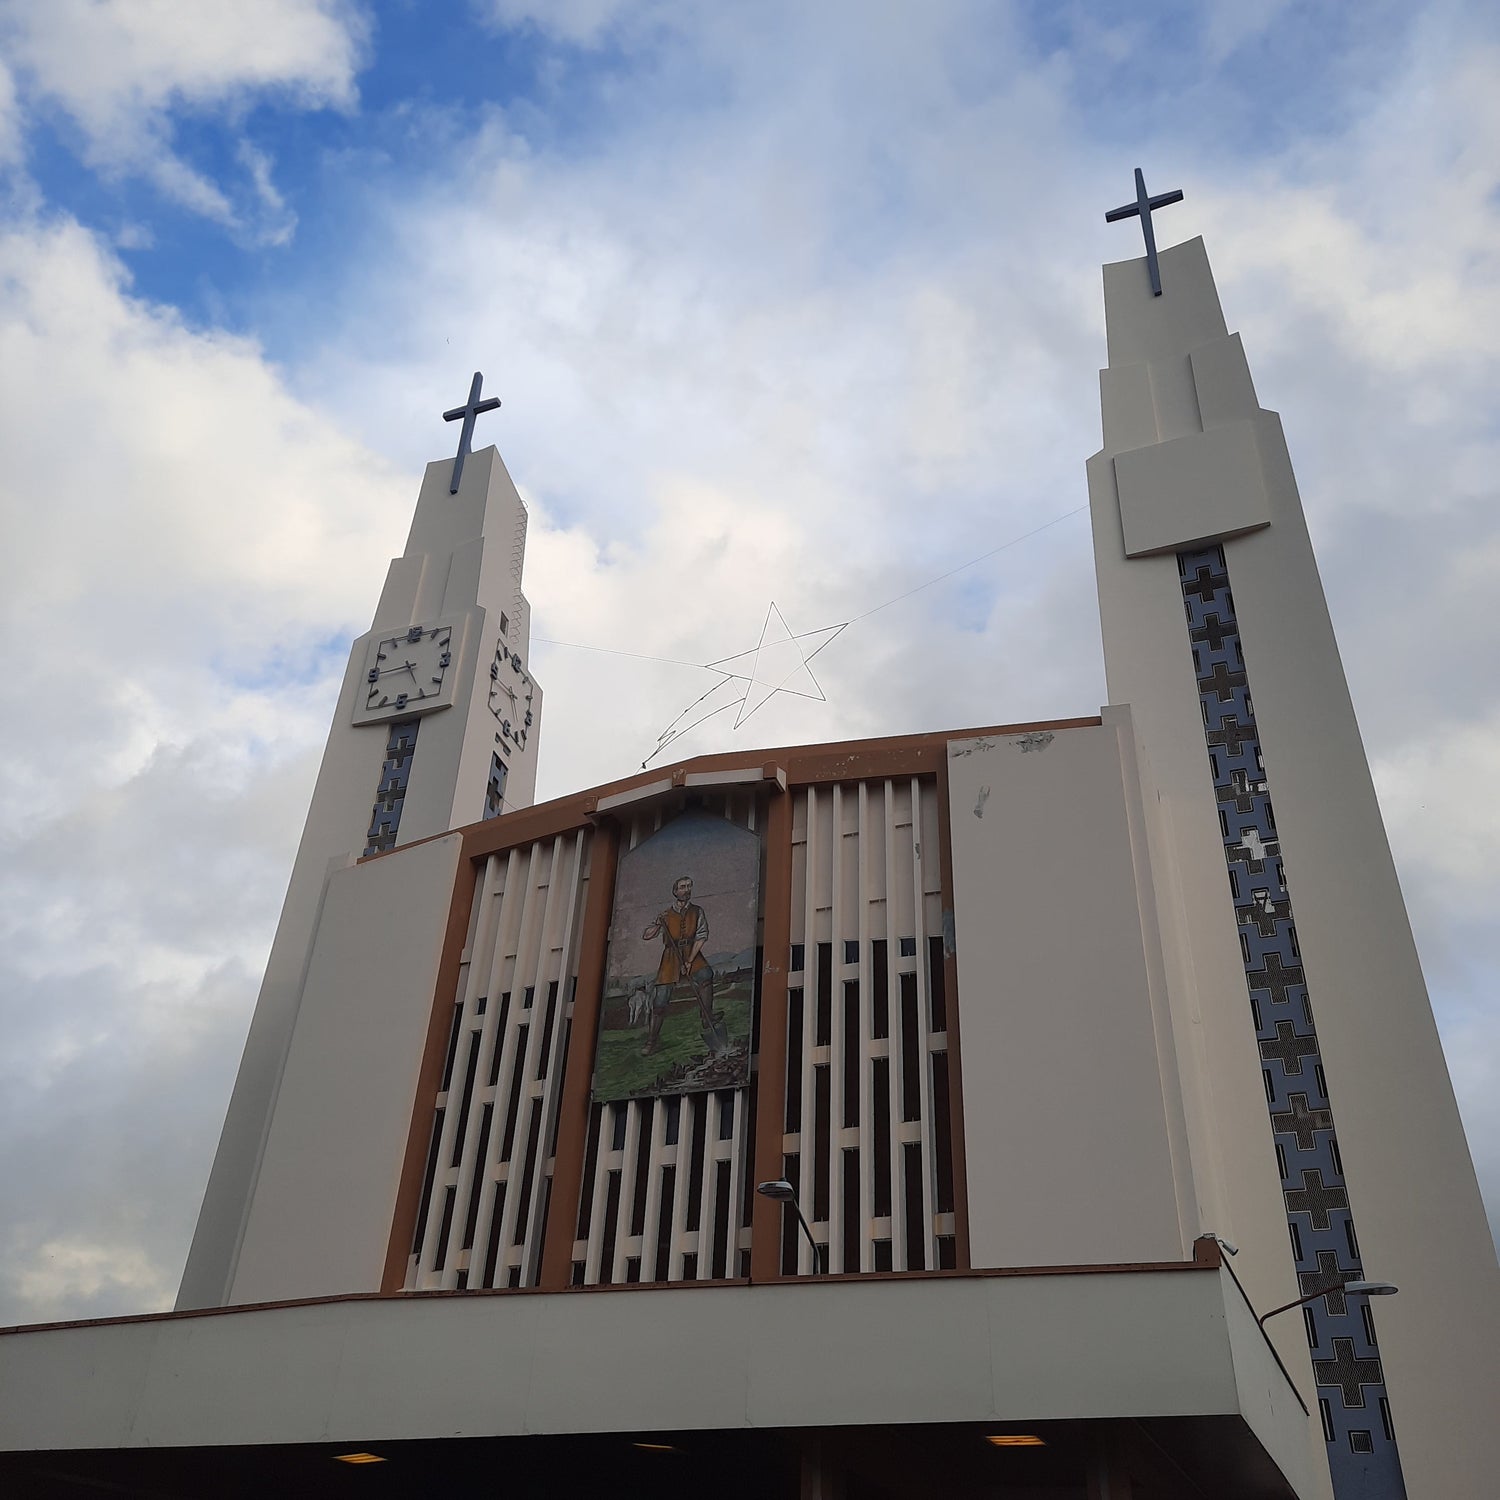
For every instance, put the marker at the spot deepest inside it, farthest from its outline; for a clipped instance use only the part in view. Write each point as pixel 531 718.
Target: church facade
pixel 1087 1065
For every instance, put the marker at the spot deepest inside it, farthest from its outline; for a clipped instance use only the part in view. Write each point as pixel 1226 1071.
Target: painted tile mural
pixel 1352 1401
pixel 680 980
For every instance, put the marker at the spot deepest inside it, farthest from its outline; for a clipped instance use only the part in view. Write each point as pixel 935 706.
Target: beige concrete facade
pixel 326 1193
pixel 1066 1041
pixel 461 565
pixel 960 1349
pixel 1191 458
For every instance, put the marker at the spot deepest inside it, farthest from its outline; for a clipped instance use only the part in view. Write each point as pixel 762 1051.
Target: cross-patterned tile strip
pixel 1346 1362
pixel 390 796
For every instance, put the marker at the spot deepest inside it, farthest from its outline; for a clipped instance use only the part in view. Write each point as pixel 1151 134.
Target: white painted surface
pixel 1411 1185
pixel 947 1349
pixel 325 1196
pixel 462 562
pixel 1068 1089
pixel 524 936
pixel 865 870
pixel 1221 469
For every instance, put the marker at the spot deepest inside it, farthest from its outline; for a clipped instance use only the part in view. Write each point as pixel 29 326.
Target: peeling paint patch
pixel 1037 740
pixel 972 747
pixel 984 796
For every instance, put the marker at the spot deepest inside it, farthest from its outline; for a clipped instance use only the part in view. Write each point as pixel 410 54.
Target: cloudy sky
pixel 799 299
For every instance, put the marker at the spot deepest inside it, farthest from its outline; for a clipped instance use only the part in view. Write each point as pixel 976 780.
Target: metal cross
pixel 1288 1049
pixel 1328 1279
pixel 1276 978
pixel 1347 1372
pixel 467 413
pixel 1143 206
pixel 1302 1122
pixel 1316 1198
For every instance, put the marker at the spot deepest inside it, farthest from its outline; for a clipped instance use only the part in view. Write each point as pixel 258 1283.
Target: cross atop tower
pixel 1143 205
pixel 467 413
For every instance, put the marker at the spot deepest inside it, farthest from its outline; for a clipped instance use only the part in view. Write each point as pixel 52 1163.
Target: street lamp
pixel 1369 1288
pixel 781 1191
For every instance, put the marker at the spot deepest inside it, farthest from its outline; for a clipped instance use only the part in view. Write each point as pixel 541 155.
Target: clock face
pixel 406 671
pixel 511 694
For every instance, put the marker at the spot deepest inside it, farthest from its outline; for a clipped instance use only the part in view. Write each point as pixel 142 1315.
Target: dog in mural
pixel 640 1004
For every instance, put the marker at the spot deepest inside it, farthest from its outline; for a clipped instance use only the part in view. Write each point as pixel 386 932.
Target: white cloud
pixel 120 69
pixel 819 335
pixel 11 134
pixel 60 1275
pixel 190 545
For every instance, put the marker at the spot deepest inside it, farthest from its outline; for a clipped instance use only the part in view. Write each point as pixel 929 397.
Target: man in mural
pixel 683 929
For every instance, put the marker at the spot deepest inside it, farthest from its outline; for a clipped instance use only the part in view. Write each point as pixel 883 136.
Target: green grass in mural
pixel 620 1071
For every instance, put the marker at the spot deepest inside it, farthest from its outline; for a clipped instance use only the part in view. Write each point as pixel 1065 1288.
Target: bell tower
pixel 436 727
pixel 1329 1145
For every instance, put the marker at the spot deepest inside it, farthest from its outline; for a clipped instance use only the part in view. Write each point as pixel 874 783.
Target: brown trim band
pixel 430 1075
pixel 770 1072
pixel 1147 1268
pixel 849 760
pixel 957 1151
pixel 573 1110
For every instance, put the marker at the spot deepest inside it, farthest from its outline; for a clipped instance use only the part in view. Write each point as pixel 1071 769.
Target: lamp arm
pixel 1288 1306
pixel 817 1250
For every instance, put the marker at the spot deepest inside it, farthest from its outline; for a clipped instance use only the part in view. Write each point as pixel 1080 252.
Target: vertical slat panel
pixel 830 1148
pixel 893 885
pixel 923 1059
pixel 680 1193
pixel 569 907
pixel 708 1187
pixel 783 913
pixel 741 1143
pixel 656 1168
pixel 817 841
pixel 569 1189
pixel 508 914
pixel 594 1258
pixel 871 891
pixel 515 1080
pixel 488 925
pixel 633 1111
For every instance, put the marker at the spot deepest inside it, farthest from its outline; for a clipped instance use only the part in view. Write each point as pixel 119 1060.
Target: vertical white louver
pixel 484 1201
pixel 666 1184
pixel 866 1139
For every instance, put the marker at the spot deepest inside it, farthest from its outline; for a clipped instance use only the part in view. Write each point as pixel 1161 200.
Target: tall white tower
pixel 436 727
pixel 1329 1144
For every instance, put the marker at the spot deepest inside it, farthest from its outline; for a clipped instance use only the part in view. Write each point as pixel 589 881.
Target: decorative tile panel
pixel 390 796
pixel 1346 1362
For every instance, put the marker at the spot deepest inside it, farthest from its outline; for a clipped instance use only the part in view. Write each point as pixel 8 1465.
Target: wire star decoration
pixel 779 662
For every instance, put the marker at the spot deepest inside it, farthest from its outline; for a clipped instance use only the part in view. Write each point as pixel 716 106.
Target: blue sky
pixel 813 286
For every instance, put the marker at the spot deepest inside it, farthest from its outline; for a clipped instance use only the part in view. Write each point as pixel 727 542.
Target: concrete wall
pixel 1072 1111
pixel 325 1196
pixel 462 563
pixel 1030 1348
pixel 1177 377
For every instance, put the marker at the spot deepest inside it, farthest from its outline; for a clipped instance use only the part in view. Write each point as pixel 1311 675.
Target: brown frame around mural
pixel 578 1065
pixel 804 765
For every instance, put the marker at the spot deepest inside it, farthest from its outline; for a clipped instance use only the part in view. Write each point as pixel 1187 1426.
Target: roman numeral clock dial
pixel 511 693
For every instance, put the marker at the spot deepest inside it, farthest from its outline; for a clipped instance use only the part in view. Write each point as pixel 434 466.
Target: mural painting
pixel 680 980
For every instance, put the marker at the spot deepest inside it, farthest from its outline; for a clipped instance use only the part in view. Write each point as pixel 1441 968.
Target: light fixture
pixel 781 1191
pixel 1367 1288
pixel 358 1458
pixel 1015 1440
pixel 656 1447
